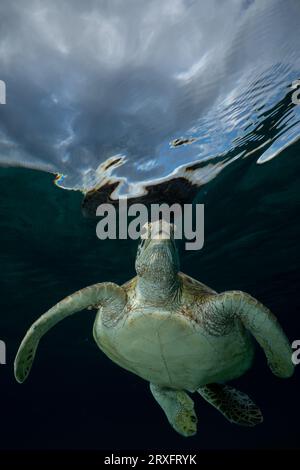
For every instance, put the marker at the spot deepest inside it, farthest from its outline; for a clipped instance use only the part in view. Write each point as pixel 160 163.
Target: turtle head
pixel 157 258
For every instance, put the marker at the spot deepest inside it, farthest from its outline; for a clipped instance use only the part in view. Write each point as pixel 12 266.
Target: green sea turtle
pixel 176 333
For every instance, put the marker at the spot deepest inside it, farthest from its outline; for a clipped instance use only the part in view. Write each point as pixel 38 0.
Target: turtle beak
pixel 158 237
pixel 158 231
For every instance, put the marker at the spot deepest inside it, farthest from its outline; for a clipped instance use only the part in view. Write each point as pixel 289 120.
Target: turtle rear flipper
pixel 178 407
pixel 236 406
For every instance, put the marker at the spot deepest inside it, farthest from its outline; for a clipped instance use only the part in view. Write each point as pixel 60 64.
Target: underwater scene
pixel 150 102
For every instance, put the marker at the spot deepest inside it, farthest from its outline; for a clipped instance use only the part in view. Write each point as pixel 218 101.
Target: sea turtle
pixel 176 333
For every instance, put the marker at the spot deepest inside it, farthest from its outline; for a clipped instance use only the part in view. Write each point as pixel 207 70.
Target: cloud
pixel 90 80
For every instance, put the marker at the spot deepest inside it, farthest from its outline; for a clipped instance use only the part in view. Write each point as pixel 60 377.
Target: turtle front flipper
pixel 260 321
pixel 106 293
pixel 178 407
pixel 236 406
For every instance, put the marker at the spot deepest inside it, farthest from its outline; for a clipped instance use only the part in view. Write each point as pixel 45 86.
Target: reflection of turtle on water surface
pixel 176 333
